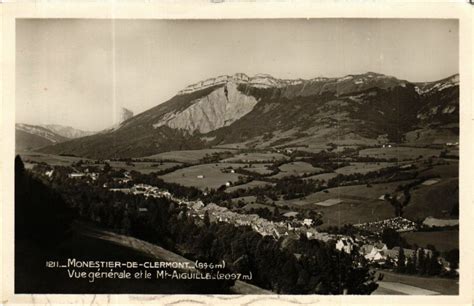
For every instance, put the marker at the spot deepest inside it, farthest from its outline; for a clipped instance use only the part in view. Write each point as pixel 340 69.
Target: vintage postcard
pixel 236 153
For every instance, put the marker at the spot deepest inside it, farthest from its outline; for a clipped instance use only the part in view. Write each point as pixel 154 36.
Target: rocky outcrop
pixel 259 81
pixel 220 108
pixel 341 85
pixel 126 114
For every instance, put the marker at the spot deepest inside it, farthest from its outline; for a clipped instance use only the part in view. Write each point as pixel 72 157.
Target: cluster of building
pixel 86 174
pixel 379 254
pixel 398 223
pixel 452 144
pixel 260 225
pixel 144 189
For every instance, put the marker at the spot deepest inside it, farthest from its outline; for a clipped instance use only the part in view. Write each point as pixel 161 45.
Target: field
pixel 50 159
pixel 442 240
pixel 251 184
pixel 257 205
pixel 363 168
pixel 143 167
pixel 247 200
pixel 358 203
pixel 444 171
pixel 353 212
pixel 186 156
pixel 255 157
pixel 213 177
pixel 437 285
pixel 400 153
pixel 435 200
pixel 256 168
pixel 296 169
pixel 360 193
pixel 312 149
pixel 329 202
pixel 321 177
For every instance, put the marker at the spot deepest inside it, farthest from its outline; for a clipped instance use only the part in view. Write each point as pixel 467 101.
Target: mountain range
pixel 263 111
pixel 30 137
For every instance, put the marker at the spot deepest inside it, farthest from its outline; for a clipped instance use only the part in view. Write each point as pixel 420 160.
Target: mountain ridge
pixel 239 109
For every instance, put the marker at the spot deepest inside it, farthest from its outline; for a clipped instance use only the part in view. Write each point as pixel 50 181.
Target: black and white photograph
pixel 283 156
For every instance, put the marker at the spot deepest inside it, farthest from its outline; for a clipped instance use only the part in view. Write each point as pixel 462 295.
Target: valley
pixel 351 167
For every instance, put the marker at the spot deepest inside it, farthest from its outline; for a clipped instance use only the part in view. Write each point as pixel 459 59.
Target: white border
pixel 234 10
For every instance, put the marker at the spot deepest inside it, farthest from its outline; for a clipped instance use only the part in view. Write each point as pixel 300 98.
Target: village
pixel 374 251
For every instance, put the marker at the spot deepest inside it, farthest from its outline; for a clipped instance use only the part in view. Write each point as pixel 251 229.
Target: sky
pixel 81 72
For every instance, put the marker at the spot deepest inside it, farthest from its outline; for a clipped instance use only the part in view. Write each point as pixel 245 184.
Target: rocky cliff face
pixel 125 114
pixel 220 108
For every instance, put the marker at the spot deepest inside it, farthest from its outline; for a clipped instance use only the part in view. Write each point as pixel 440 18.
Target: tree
pixel 421 261
pixel 207 220
pixel 401 260
pixel 391 238
pixel 452 257
pixel 126 224
pixel 107 167
pixel 410 266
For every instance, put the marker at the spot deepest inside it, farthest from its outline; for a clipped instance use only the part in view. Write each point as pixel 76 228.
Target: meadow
pixel 442 240
pixel 143 167
pixel 212 176
pixel 186 156
pixel 252 184
pixel 255 157
pixel 50 159
pixel 363 168
pixel 400 153
pixel 297 168
pixel 434 200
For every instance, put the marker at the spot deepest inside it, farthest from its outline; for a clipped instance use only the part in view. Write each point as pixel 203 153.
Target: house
pixel 311 233
pixel 345 245
pixel 124 190
pixel 49 173
pixel 308 222
pixel 372 253
pixel 444 263
pixel 228 184
pixel 76 175
pixel 393 253
pixel 197 205
pixel 200 176
pixel 290 214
